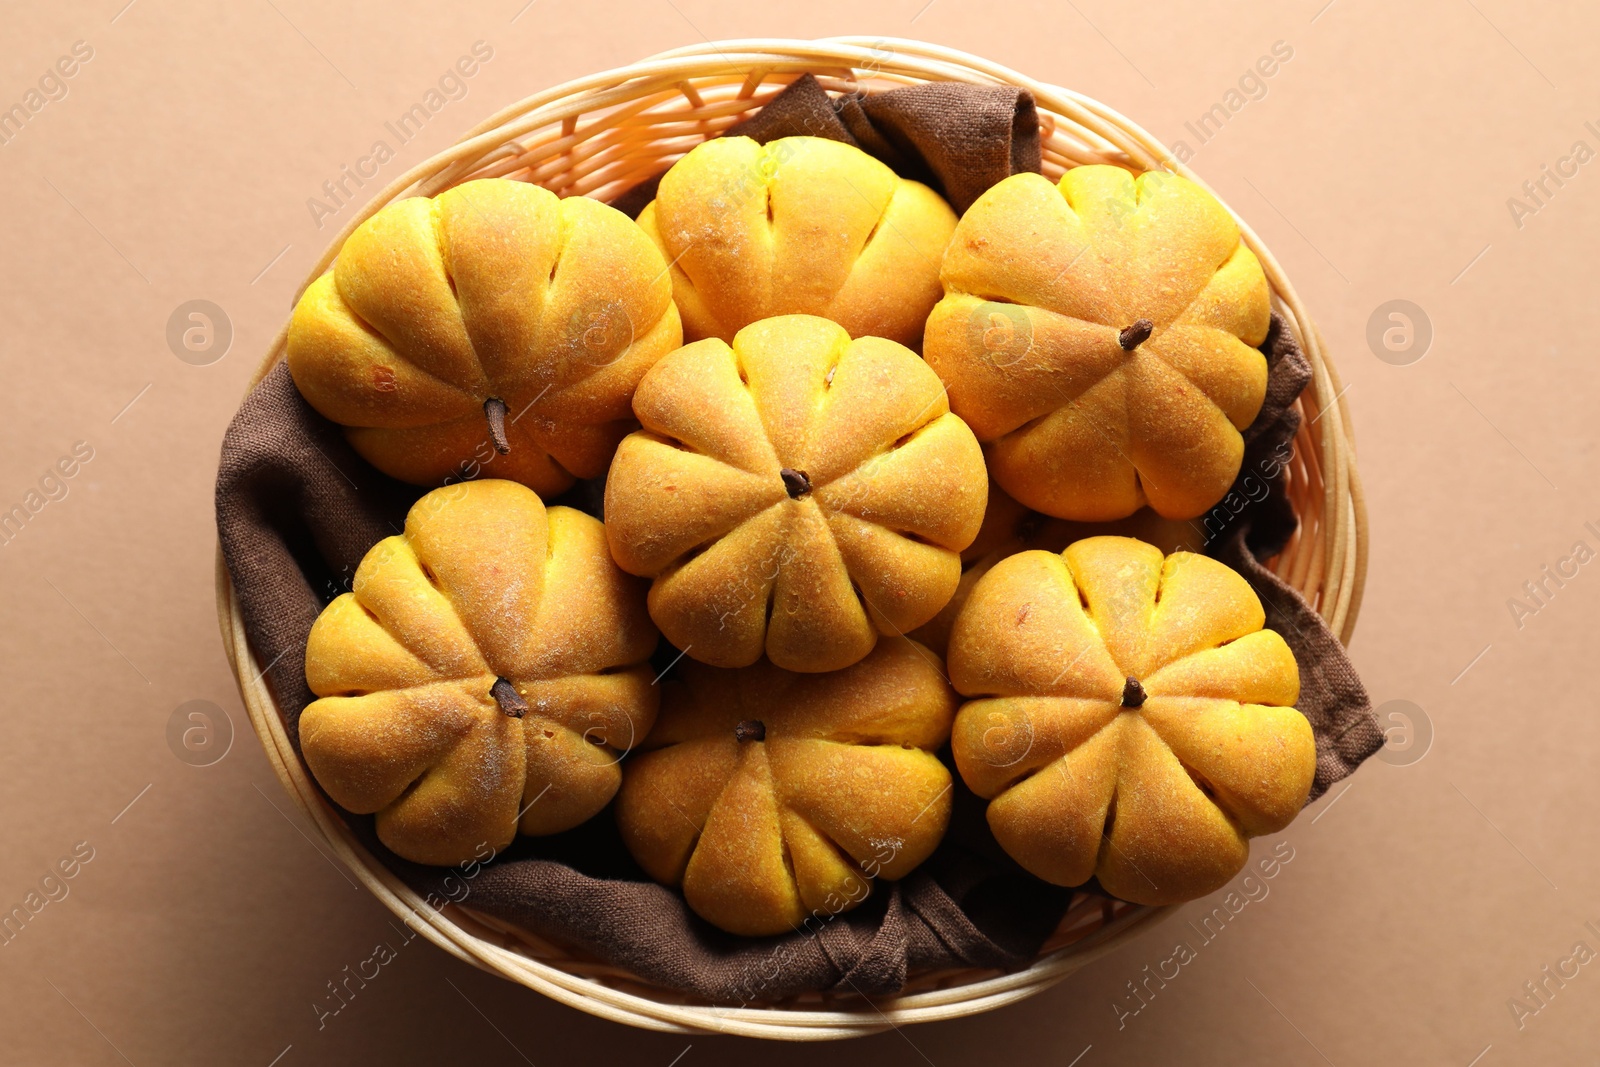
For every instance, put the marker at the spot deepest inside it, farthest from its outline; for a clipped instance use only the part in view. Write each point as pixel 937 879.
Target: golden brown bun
pixel 1009 528
pixel 801 225
pixel 833 783
pixel 1040 284
pixel 484 584
pixel 1158 800
pixel 698 499
pixel 495 288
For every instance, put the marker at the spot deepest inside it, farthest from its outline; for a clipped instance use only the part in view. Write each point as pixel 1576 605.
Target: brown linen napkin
pixel 297 509
pixel 1331 695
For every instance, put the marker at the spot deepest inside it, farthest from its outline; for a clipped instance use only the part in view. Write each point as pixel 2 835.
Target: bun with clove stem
pixel 795 495
pixel 483 676
pixel 771 796
pixel 494 329
pixel 1129 720
pixel 1100 337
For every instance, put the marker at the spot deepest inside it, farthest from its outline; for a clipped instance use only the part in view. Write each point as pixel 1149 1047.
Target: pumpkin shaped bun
pixel 800 225
pixel 1100 337
pixel 794 495
pixel 483 676
pixel 771 796
pixel 491 327
pixel 1130 719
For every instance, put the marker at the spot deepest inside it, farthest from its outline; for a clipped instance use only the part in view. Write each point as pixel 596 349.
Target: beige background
pixel 1377 166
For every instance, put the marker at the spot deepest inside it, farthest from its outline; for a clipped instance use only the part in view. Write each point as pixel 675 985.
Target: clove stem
pixel 796 483
pixel 494 409
pixel 1133 336
pixel 505 694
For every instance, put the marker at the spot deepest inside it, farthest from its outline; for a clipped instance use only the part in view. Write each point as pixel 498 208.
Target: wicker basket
pixel 597 137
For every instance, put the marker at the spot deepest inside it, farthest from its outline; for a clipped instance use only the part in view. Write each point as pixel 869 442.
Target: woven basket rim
pixel 720 82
